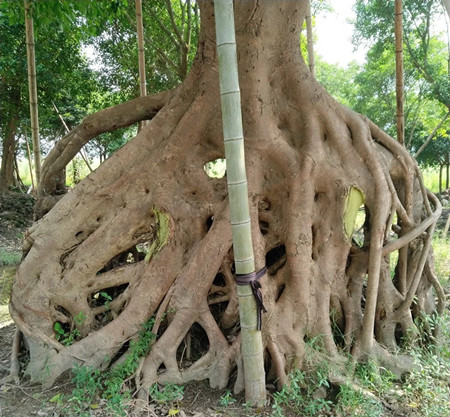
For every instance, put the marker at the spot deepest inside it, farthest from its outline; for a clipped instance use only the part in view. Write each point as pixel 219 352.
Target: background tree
pixel 425 54
pixel 64 79
pixel 32 87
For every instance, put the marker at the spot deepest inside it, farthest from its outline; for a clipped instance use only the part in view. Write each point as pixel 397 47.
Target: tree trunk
pixel 447 177
pixel 30 162
pixel 306 158
pixel 399 70
pixel 32 86
pixel 141 54
pixel 9 141
pixel 8 154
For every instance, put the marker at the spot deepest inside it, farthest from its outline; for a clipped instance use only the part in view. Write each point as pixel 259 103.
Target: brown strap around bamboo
pixel 252 280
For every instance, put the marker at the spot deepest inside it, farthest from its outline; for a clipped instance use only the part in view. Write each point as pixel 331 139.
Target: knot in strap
pixel 252 280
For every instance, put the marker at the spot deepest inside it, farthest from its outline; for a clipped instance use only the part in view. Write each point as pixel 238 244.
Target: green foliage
pixel 65 337
pixel 227 399
pixel 442 258
pixel 426 388
pixel 93 387
pixel 9 258
pixel 352 402
pixel 370 89
pixel 300 395
pixel 63 75
pixel 68 337
pixel 166 394
pixel 170 46
pixel 88 382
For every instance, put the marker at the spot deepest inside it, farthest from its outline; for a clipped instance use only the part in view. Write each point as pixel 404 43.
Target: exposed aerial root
pixel 147 235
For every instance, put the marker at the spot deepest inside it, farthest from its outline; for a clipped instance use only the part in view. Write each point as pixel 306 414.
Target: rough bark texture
pixel 7 178
pixel 304 155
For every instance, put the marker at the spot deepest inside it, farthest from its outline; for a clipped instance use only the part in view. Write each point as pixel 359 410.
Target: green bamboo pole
pixel 141 54
pixel 252 350
pixel 32 87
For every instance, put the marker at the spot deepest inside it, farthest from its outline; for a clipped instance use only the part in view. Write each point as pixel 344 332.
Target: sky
pixel 333 34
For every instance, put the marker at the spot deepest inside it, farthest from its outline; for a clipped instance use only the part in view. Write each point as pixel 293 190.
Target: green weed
pixel 166 394
pixel 352 402
pixel 302 395
pixel 442 259
pixel 9 258
pixel 67 338
pixel 227 399
pixel 431 179
pixel 92 387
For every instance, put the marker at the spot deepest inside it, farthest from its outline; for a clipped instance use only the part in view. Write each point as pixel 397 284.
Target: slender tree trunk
pixel 252 350
pixel 310 40
pixel 31 61
pixel 141 54
pixel 447 177
pixel 399 70
pixel 68 131
pixel 441 168
pixel 141 50
pixel 30 162
pixel 431 135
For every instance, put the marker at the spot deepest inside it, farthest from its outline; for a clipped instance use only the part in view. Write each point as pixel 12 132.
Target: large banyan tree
pixel 148 233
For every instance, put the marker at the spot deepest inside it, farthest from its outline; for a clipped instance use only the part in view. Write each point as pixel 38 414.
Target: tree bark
pixel 304 154
pixel 9 146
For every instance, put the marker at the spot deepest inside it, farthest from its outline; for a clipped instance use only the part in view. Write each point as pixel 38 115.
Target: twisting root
pixel 147 235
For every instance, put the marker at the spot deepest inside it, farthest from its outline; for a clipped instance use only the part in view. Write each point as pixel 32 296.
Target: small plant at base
pixel 66 338
pixel 354 403
pixel 426 387
pixel 93 385
pixel 107 298
pixel 79 318
pixel 227 399
pixel 88 385
pixel 299 396
pixel 166 394
pixel 9 258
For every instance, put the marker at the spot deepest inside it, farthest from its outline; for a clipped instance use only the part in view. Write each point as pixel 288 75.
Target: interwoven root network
pixel 86 266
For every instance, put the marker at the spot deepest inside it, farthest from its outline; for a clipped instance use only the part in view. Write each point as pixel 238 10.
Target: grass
pixel 441 248
pixel 431 179
pixel 6 280
pixel 9 258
